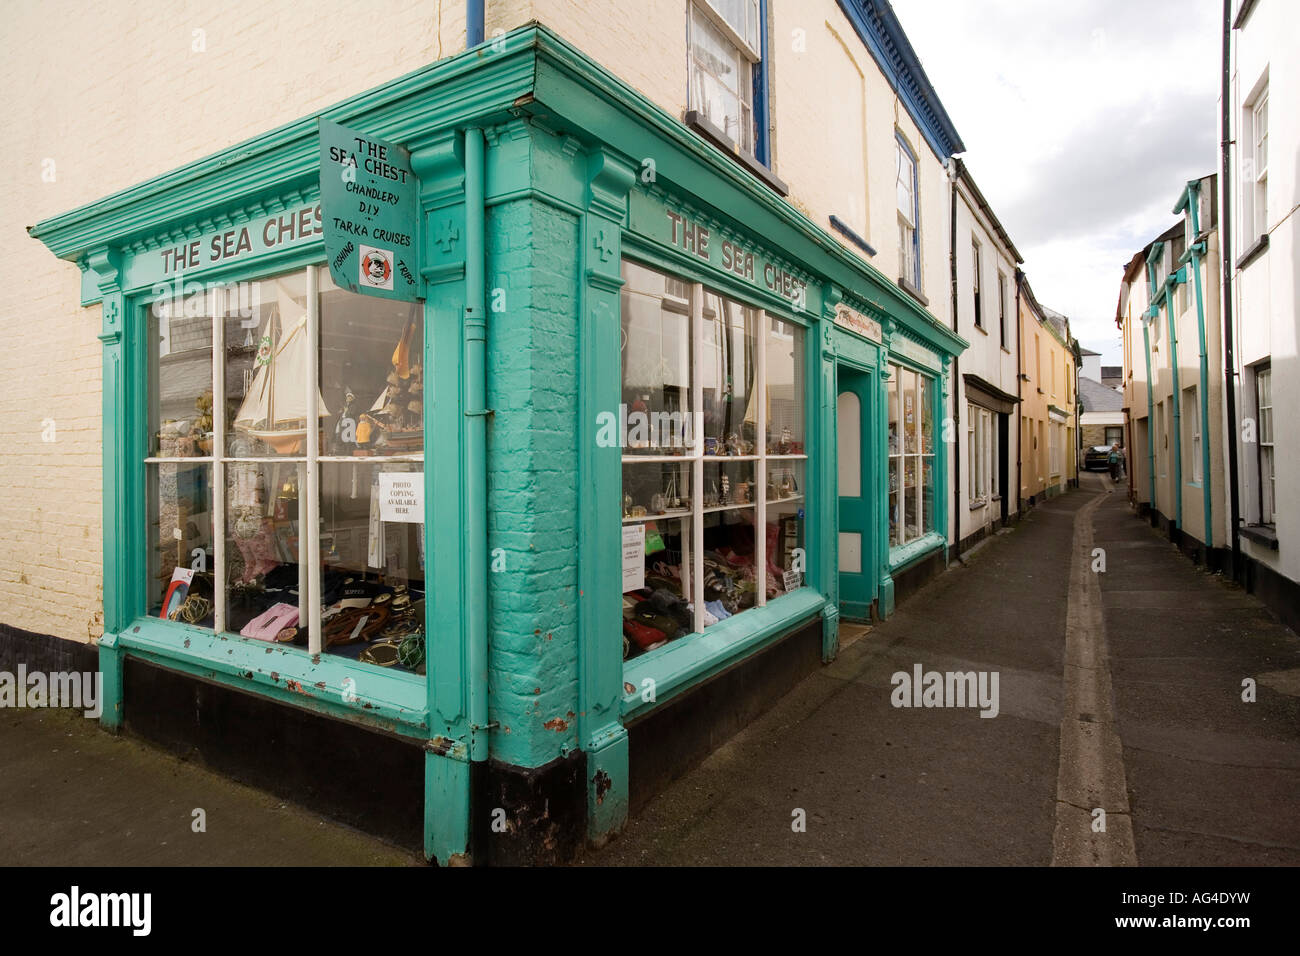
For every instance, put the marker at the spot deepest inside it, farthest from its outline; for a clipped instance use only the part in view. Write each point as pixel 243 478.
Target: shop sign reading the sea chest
pixel 370 211
pixel 670 227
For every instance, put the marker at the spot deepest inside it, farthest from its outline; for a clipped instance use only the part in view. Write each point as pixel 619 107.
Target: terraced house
pixel 1049 363
pixel 412 536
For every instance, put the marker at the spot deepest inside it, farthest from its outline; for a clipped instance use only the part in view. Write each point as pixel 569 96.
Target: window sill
pixel 1007 350
pixel 913 291
pixel 905 554
pixel 1253 252
pixel 687 661
pixel 695 120
pixel 978 503
pixel 1260 534
pixel 980 328
pixel 392 700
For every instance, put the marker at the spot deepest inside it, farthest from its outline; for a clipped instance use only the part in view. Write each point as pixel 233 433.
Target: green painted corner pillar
pixel 600 650
pixel 885 603
pixel 117 478
pixel 441 170
pixel 824 525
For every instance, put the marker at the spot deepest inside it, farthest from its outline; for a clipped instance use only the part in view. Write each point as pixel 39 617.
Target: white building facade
pixel 987 389
pixel 1264 95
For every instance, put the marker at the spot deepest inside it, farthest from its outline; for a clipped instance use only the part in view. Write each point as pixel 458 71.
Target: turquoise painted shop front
pixel 543 181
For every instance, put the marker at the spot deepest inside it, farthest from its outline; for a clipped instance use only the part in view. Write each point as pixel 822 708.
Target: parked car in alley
pixel 1098 456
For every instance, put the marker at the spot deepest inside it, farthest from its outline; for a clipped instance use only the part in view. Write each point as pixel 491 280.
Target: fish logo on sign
pixel 376 267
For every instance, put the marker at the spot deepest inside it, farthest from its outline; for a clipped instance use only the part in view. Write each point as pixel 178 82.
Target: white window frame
pixel 693 524
pixel 901 455
pixel 1192 416
pixel 909 212
pixel 747 53
pixel 1254 165
pixel 307 462
pixel 1264 437
pixel 1002 308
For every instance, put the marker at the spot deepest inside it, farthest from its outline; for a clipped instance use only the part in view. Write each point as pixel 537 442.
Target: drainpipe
pixel 1225 241
pixel 1147 318
pixel 1194 260
pixel 474 339
pixel 474 23
pixel 1171 284
pixel 956 365
pixel 1020 402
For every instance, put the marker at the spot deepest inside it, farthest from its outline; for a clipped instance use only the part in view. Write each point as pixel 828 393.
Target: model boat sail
pixel 275 408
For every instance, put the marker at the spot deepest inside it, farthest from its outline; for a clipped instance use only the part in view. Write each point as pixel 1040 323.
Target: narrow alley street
pixel 1208 778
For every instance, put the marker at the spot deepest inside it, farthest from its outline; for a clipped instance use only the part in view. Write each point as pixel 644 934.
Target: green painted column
pixel 440 168
pixel 117 480
pixel 885 603
pixel 822 507
pixel 600 617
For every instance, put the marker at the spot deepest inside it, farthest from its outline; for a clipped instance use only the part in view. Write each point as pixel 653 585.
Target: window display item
pixel 268 625
pixel 177 591
pixel 195 609
pixel 643 636
pixel 275 409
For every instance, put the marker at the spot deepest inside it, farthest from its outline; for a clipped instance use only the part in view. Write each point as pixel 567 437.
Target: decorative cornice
pixel 532 73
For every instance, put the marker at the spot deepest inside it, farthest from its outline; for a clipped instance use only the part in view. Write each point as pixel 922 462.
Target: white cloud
pixel 1081 121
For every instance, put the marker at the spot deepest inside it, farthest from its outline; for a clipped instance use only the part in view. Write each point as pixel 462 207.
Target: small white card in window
pixel 401 496
pixel 633 557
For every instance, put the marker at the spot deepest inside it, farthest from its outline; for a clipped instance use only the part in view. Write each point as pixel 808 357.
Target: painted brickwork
pixel 532 492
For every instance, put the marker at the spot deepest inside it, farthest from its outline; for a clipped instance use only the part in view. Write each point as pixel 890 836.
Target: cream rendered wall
pixel 102 96
pixel 117 95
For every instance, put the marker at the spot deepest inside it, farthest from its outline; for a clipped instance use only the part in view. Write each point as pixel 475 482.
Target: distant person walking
pixel 1114 461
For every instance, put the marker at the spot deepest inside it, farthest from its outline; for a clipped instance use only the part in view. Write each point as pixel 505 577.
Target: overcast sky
pixel 1082 122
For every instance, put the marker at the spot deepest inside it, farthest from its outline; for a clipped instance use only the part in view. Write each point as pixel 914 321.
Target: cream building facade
pixel 129 96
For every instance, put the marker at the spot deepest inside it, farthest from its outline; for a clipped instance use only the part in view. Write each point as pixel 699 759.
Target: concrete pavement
pixel 1205 777
pixel 1209 779
pixel 72 795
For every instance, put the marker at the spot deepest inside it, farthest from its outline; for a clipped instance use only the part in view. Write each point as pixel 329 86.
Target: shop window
pixel 714 459
pixel 725 51
pixel 237 541
pixel 911 455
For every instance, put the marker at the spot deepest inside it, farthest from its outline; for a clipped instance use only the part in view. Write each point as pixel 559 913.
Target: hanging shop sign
pixel 370 210
pixel 855 321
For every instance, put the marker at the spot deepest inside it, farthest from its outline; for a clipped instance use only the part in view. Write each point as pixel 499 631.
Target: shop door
pixel 854 445
pixel 1003 464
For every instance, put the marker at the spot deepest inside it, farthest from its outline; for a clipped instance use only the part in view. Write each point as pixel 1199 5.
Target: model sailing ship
pixel 275 409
